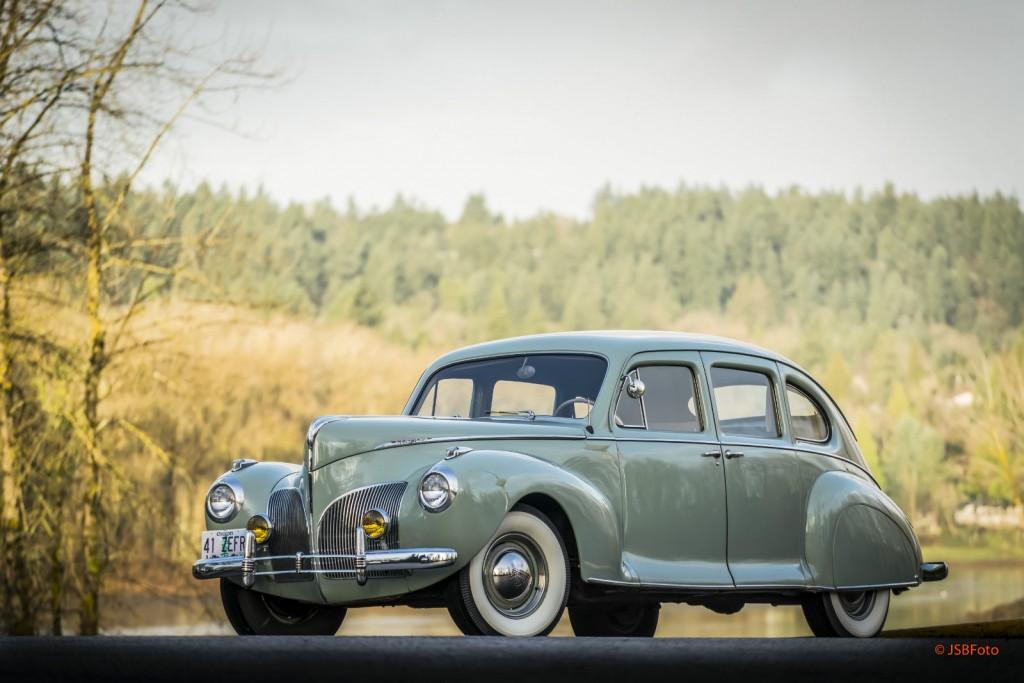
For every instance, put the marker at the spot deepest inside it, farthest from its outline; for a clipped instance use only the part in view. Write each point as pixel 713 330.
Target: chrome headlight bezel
pixel 237 494
pixel 451 484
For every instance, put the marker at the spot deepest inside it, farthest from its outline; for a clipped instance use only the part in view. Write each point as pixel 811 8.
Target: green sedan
pixel 603 472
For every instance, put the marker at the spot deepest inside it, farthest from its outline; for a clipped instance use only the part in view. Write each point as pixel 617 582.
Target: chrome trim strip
pixel 406 559
pixel 877 586
pixel 498 437
pixel 777 447
pixel 753 587
pixel 640 439
pixel 314 428
pixel 639 584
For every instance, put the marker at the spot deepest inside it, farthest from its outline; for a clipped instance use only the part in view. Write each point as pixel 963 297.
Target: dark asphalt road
pixel 373 660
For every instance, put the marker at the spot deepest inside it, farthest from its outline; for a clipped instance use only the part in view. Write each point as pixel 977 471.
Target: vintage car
pixel 606 472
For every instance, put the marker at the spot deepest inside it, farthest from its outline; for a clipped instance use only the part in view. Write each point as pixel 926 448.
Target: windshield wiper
pixel 528 414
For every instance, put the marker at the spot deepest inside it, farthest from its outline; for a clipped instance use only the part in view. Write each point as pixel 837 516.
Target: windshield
pixel 519 387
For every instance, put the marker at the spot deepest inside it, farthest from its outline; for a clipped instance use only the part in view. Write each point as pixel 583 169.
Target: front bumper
pixel 245 566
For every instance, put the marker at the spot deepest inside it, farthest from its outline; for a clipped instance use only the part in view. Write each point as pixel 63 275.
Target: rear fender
pixel 856 536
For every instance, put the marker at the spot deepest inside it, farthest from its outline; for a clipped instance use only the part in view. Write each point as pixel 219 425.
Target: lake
pixel 970 589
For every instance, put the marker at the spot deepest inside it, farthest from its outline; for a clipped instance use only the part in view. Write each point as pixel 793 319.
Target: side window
pixel 745 402
pixel 668 403
pixel 628 411
pixel 809 423
pixel 451 397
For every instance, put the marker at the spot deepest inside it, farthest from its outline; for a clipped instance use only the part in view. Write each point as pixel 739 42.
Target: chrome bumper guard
pixel 245 566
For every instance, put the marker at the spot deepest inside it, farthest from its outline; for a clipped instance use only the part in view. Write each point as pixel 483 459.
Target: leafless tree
pixel 88 92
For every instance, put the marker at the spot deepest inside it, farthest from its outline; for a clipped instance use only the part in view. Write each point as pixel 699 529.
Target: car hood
pixel 340 437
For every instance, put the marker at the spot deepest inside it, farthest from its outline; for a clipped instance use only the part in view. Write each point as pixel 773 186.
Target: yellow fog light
pixel 260 527
pixel 375 523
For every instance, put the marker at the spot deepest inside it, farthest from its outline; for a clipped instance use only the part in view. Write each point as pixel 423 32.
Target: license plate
pixel 226 543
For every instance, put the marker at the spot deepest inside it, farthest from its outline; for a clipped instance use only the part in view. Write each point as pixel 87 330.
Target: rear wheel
pixel 259 614
pixel 856 614
pixel 637 620
pixel 518 584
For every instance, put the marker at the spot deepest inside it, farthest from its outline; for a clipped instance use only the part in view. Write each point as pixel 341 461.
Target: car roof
pixel 614 344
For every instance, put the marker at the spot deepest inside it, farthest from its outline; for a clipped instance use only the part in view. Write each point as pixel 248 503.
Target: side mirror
pixel 635 386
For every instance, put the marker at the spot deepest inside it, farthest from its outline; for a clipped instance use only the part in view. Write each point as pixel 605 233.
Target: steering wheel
pixel 571 402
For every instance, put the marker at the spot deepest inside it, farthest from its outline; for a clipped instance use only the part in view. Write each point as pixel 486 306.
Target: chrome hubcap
pixel 511 575
pixel 514 575
pixel 857 605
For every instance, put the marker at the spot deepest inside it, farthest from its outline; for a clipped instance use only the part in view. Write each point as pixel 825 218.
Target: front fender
pixel 256 482
pixel 492 482
pixel 857 536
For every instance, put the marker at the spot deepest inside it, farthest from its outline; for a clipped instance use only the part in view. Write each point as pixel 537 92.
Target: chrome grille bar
pixel 336 531
pixel 290 535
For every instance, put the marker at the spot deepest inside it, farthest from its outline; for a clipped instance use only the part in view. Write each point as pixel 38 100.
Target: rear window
pixel 808 420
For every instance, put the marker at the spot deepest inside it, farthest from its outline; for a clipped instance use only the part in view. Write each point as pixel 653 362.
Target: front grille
pixel 290 534
pixel 341 519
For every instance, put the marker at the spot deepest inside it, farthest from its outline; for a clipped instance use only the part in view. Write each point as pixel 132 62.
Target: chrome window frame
pixel 817 406
pixel 618 399
pixel 422 393
pixel 780 431
pixel 698 403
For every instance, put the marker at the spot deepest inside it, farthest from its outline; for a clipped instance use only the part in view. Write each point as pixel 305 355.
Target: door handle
pixel 712 454
pixel 729 455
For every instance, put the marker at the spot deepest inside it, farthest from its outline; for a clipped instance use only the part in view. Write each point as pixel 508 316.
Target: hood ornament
pixel 456 451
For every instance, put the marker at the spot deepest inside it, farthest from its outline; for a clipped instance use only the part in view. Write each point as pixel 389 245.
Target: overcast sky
pixel 538 104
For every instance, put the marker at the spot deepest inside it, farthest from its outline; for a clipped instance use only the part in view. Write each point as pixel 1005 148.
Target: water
pixel 970 591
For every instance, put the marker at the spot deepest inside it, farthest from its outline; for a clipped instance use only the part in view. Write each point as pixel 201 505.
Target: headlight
pixel 223 501
pixel 437 489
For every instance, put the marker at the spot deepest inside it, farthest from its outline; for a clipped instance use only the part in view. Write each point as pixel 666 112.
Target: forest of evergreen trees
pixel 878 262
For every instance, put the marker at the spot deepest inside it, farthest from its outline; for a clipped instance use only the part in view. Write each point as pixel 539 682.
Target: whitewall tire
pixel 518 584
pixel 854 614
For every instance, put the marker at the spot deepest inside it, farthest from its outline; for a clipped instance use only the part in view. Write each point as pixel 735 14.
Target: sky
pixel 540 104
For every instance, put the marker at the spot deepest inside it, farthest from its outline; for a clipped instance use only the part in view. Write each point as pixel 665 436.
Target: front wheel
pixel 627 620
pixel 856 614
pixel 259 614
pixel 518 584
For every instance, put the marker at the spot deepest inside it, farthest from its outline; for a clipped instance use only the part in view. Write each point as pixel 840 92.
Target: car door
pixel 767 488
pixel 673 481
